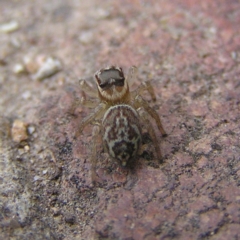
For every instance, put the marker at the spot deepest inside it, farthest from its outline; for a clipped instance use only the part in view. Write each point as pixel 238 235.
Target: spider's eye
pixel 110 76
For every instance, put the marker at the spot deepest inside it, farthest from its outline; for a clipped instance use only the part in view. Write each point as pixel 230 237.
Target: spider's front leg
pixel 145 86
pixel 99 110
pixel 86 88
pixel 132 75
pixel 140 102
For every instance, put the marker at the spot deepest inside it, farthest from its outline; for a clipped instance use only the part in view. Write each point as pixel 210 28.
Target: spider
pixel 119 115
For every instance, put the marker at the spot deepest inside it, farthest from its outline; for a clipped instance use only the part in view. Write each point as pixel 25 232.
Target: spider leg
pixel 95 135
pixel 132 75
pixel 140 102
pixel 83 101
pixel 151 131
pixel 73 106
pixel 99 110
pixel 86 88
pixel 146 85
pixel 90 103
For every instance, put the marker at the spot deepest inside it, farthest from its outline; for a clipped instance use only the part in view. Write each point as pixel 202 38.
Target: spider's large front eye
pixel 110 76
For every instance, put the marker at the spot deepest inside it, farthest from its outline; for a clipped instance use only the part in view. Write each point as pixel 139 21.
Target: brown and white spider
pixel 119 115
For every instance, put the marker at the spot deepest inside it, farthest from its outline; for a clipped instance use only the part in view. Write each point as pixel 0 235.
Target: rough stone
pixel 190 51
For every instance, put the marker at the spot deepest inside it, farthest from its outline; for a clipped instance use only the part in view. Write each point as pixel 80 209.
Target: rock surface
pixel 191 51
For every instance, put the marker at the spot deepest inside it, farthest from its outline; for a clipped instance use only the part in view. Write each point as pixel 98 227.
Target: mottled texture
pixel 121 133
pixel 191 51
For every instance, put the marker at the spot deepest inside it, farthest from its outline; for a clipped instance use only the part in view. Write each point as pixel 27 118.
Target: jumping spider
pixel 119 114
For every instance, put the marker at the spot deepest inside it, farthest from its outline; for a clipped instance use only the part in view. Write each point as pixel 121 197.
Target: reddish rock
pixel 190 51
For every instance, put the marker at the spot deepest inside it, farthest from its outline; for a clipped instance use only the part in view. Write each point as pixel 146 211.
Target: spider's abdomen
pixel 121 132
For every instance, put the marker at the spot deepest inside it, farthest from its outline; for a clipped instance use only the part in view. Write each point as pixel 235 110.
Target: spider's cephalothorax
pixel 112 85
pixel 119 115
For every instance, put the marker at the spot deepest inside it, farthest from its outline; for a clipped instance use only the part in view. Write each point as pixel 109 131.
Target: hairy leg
pixel 88 103
pixel 95 135
pixel 140 102
pixel 86 88
pixel 151 131
pixel 145 86
pixel 99 110
pixel 132 75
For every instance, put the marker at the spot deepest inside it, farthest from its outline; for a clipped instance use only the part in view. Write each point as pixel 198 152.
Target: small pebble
pixel 49 68
pixel 31 130
pixel 19 68
pixel 36 178
pixel 14 223
pixel 15 42
pixel 56 211
pixel 70 219
pixel 26 95
pixel 234 55
pixel 86 37
pixel 101 13
pixel 19 131
pixel 26 148
pixel 31 65
pixel 9 27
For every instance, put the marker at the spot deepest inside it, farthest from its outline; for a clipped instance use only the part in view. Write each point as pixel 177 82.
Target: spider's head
pixel 111 83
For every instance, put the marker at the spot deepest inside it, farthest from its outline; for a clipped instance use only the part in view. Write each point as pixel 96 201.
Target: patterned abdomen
pixel 121 132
